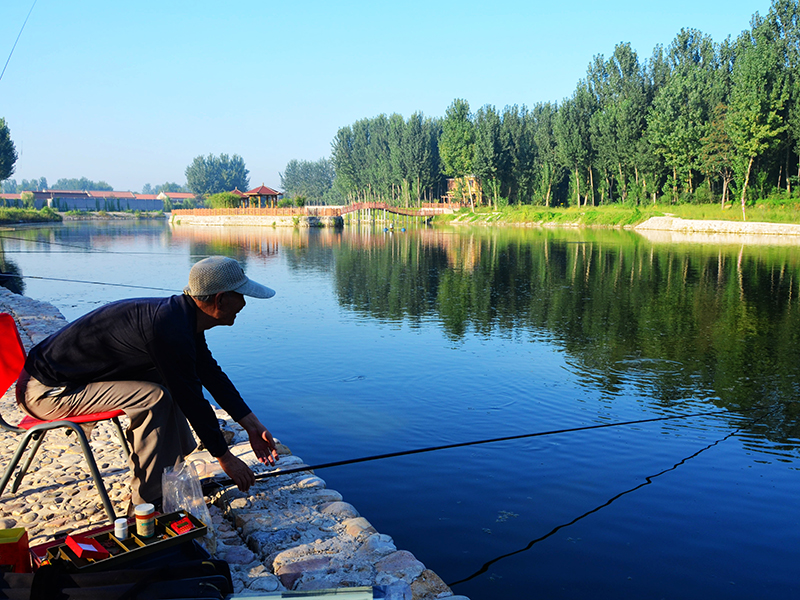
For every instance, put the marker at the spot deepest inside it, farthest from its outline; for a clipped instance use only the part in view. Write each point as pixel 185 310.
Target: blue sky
pixel 131 92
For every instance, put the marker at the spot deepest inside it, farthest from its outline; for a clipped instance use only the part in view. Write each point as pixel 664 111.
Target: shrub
pixel 223 200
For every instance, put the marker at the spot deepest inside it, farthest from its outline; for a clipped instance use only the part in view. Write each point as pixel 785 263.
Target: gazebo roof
pixel 237 192
pixel 262 190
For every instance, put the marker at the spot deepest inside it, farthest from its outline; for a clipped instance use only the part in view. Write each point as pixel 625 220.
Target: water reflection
pixel 429 337
pixel 10 274
pixel 673 322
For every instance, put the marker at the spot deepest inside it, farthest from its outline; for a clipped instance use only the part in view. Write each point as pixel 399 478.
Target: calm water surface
pixel 378 342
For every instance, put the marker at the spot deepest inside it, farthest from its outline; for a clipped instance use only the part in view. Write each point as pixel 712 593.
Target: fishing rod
pixel 228 481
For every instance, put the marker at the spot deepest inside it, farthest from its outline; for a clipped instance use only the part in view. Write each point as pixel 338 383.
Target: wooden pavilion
pixel 264 194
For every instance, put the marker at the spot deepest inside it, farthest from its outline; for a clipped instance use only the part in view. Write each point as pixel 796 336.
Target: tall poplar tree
pixel 490 154
pixel 758 95
pixel 679 116
pixel 457 144
pixel 545 167
pixel 517 131
pixel 571 128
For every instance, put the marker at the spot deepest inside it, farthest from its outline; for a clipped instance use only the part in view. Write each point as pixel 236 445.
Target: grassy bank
pixel 620 216
pixel 28 215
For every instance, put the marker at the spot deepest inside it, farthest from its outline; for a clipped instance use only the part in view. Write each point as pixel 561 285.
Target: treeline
pixel 309 182
pixel 10 186
pixel 388 158
pixel 697 121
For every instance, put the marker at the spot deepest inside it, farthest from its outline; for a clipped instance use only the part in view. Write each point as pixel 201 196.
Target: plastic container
pixel 145 520
pixel 121 529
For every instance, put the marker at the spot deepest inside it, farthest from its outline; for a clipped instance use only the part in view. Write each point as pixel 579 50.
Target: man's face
pixel 228 306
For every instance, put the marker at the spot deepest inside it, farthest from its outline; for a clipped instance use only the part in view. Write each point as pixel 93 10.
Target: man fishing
pixel 149 358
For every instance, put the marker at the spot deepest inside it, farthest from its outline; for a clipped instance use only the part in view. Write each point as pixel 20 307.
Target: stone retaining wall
pixel 286 533
pixel 725 227
pixel 262 221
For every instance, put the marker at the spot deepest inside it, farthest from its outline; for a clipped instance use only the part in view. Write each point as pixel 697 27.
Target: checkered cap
pixel 222 274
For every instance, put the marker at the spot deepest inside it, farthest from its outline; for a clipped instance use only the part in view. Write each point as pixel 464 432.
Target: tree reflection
pixel 675 321
pixel 10 273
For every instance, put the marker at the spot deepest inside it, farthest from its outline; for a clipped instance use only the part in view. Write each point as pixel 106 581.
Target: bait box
pixel 132 548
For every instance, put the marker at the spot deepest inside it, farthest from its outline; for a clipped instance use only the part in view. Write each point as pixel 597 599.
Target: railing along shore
pixel 426 209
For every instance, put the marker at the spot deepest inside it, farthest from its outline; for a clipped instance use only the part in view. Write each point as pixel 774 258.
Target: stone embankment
pixel 260 221
pixel 286 533
pixel 709 226
pixel 677 230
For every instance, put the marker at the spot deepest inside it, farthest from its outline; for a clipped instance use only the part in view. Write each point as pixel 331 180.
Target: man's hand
pixel 237 470
pixel 260 440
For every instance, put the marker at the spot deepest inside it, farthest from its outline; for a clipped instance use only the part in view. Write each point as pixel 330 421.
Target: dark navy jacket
pixel 151 339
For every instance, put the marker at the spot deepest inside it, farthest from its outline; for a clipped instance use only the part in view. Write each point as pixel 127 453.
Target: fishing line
pixel 125 285
pixel 18 36
pixel 352 461
pixel 88 249
pixel 648 480
pixel 49 243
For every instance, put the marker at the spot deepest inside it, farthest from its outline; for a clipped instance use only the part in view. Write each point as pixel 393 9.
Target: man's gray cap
pixel 217 274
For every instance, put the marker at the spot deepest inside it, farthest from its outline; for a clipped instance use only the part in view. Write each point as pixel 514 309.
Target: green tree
pixel 620 91
pixel 783 22
pixel 310 179
pixel 535 158
pixel 680 113
pixel 387 158
pixel 571 127
pixel 420 154
pixel 171 187
pixel 490 155
pixel 208 175
pixel 457 144
pixel 8 153
pixel 716 151
pixel 342 149
pixel 758 95
pixel 223 200
pixel 82 184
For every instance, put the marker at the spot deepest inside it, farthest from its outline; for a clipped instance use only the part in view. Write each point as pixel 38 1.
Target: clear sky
pixel 131 92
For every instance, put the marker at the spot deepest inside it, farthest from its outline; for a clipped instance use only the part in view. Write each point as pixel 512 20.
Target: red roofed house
pixel 268 195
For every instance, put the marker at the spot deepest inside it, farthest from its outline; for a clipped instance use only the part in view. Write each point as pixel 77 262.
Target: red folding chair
pixel 12 359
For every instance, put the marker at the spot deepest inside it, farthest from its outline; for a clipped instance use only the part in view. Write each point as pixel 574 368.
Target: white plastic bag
pixel 182 491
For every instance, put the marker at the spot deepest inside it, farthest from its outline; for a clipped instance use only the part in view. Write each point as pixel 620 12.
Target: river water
pixel 379 342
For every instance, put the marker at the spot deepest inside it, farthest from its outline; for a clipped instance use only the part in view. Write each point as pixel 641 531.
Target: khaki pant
pixel 158 433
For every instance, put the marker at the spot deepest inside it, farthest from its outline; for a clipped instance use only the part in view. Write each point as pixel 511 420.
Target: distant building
pixel 465 189
pixel 95 200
